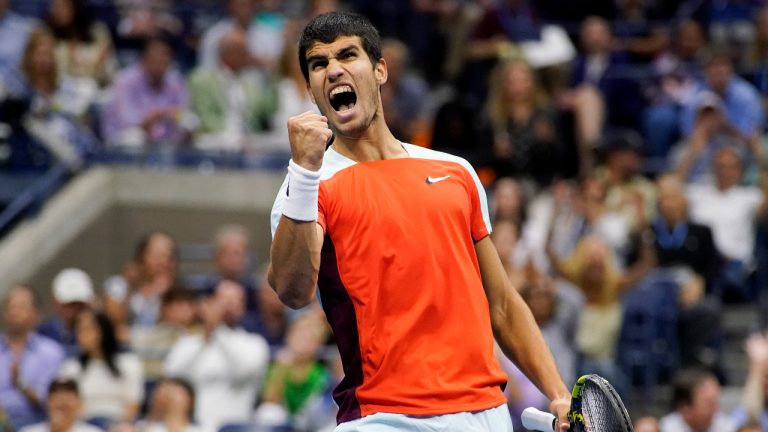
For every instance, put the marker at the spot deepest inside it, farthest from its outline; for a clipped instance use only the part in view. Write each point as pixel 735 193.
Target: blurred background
pixel 622 144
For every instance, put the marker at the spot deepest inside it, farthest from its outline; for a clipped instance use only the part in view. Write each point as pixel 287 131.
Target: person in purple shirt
pixel 148 101
pixel 28 361
pixel 741 101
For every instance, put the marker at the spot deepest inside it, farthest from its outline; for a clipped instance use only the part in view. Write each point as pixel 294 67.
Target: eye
pixel 316 65
pixel 349 55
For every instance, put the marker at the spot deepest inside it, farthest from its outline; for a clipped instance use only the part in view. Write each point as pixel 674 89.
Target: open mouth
pixel 343 98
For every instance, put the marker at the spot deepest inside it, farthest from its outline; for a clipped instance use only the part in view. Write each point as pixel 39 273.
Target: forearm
pixel 753 397
pixel 295 261
pixel 515 330
pixel 520 339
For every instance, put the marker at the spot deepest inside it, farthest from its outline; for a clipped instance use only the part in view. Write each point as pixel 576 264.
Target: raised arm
pixel 517 333
pixel 298 238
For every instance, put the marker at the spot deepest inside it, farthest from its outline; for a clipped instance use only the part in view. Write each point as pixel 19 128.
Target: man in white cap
pixel 72 291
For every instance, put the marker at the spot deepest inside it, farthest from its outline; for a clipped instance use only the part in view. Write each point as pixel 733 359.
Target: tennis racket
pixel 595 407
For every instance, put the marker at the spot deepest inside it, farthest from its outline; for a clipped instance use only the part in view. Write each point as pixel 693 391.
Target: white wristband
pixel 301 195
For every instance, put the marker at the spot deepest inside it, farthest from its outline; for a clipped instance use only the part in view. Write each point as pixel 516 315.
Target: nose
pixel 334 70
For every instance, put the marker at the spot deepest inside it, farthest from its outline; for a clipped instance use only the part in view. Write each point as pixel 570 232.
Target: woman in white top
pixel 111 382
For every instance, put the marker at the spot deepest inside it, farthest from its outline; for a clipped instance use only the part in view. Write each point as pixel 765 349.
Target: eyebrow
pixel 342 51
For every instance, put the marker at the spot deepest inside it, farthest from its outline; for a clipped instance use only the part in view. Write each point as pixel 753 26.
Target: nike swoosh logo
pixel 432 180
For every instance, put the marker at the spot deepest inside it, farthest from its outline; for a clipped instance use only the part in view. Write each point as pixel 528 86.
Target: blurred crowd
pixel 622 143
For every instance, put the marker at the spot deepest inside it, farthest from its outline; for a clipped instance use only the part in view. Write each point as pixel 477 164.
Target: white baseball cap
pixel 72 285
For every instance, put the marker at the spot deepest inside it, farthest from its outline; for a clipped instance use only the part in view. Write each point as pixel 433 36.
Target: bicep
pixel 495 282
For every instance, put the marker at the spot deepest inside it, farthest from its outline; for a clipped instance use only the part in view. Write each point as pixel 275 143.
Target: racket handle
pixel 536 420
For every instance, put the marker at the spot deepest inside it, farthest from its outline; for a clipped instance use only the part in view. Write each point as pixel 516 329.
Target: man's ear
pixel 380 71
pixel 311 96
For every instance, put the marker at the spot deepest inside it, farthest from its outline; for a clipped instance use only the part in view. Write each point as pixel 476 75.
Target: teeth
pixel 341 89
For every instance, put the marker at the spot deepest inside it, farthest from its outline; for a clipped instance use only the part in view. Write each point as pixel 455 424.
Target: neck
pixel 520 109
pixel 17 338
pixel 175 422
pixel 44 85
pixel 375 143
pixel 673 222
pixel 63 427
pixel 722 187
pixel 96 353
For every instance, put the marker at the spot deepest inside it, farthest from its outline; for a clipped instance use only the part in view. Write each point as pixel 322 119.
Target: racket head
pixel 596 407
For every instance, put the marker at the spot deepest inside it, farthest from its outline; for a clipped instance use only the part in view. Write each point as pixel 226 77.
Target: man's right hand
pixel 309 134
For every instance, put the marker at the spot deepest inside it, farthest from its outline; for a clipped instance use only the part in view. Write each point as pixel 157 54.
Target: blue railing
pixel 29 199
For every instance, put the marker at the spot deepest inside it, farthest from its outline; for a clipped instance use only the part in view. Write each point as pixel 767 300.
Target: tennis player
pixel 396 238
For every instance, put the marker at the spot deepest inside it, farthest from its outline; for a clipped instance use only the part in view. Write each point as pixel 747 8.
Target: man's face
pixel 68 312
pixel 728 169
pixel 719 74
pixel 345 85
pixel 595 36
pixel 232 257
pixel 157 60
pixel 20 314
pixel 671 201
pixel 231 298
pixel 705 403
pixel 63 409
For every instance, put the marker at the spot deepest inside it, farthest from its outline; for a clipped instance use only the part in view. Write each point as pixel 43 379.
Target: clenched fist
pixel 309 134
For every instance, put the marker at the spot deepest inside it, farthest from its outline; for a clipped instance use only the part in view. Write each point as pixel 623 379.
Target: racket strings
pixel 599 413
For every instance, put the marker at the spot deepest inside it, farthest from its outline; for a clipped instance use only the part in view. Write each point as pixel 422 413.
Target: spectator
pixel 496 32
pixel 111 382
pixel 230 295
pixel 693 157
pixel 264 35
pixel 677 73
pixel 754 406
pixel 679 241
pixel 28 361
pixel 404 95
pixel 147 103
pixel 232 260
pixel 231 99
pixel 72 294
pixel 47 112
pixel 138 304
pixel 297 377
pixel 575 215
pixel 508 201
pixel 14 32
pixel 640 29
pixel 627 193
pixel 731 211
pixel 178 313
pixel 696 405
pixel 83 45
pixel 171 409
pixel 225 365
pixel 593 269
pixel 525 125
pixel 64 407
pixel 140 21
pixel 599 79
pixel 742 107
pixel 689 250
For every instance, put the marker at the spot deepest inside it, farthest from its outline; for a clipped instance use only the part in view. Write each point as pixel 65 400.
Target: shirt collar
pixel 32 340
